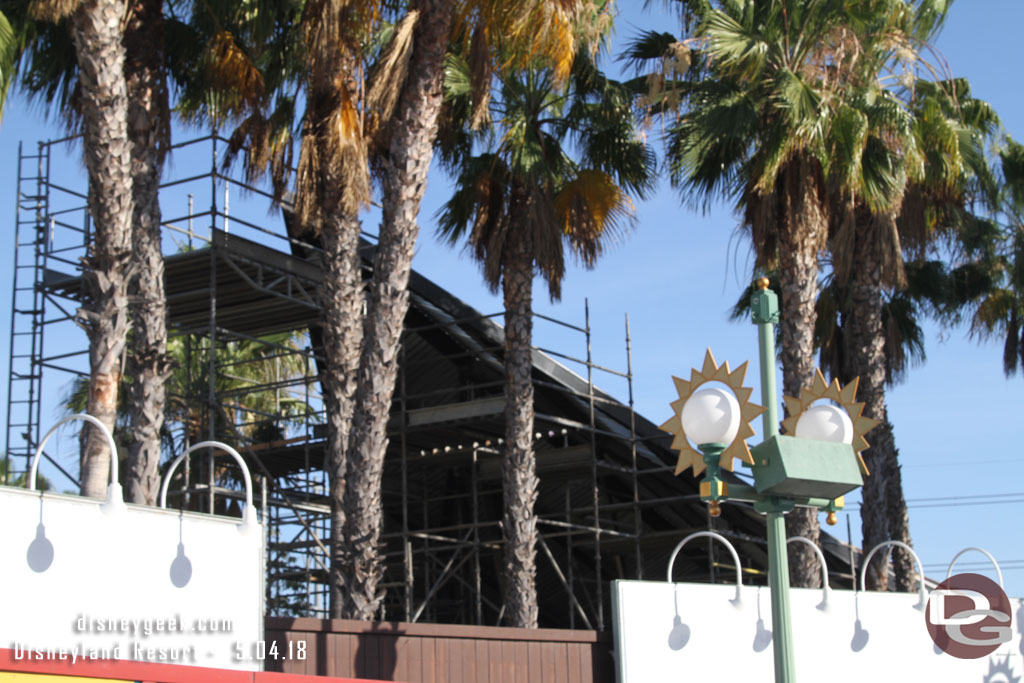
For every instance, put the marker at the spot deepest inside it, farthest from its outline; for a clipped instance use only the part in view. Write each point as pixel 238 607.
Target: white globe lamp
pixel 825 423
pixel 711 415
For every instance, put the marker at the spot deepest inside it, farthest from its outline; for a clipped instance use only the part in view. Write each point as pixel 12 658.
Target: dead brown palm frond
pixel 593 212
pixel 760 212
pixel 333 171
pixel 281 156
pixel 53 10
pixel 308 187
pixel 546 237
pixel 553 38
pixel 490 224
pixel 251 138
pixel 480 71
pixel 891 262
pixel 229 71
pixel 527 31
pixel 859 232
pixel 344 142
pixel 1013 349
pixel 388 75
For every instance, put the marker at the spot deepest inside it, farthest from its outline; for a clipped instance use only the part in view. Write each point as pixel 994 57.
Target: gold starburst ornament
pixel 737 448
pixel 845 397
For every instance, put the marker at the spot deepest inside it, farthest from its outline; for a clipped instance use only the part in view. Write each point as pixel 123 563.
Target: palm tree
pixel 1000 311
pixel 149 133
pixel 95 27
pixel 244 368
pixel 518 207
pixel 21 479
pixel 773 77
pixel 789 114
pixel 503 32
pixel 932 158
pixel 203 67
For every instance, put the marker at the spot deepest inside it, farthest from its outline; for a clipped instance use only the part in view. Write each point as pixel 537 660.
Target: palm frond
pixel 388 74
pixel 53 10
pixel 592 211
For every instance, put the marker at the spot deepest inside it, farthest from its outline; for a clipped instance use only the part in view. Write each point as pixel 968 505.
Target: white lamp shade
pixel 825 423
pixel 711 415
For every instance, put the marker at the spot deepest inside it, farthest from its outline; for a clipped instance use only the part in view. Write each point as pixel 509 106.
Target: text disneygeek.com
pixel 148 627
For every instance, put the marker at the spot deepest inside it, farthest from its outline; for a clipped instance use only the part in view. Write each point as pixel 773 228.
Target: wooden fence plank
pixel 533 662
pixel 561 656
pixel 428 652
pixel 548 654
pixel 468 655
pixel 521 661
pixel 494 657
pixel 480 661
pixel 574 652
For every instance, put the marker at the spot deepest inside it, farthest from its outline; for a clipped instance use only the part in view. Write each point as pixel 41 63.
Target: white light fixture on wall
pixel 115 497
pixel 249 521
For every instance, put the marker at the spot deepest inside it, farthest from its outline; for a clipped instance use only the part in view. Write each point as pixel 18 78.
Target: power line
pixel 959 463
pixel 963 501
pixel 976 495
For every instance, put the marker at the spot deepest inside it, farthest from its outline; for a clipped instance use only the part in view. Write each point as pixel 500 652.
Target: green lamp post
pixel 814 465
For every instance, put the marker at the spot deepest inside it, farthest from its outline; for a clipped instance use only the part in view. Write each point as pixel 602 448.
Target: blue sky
pixel 957 419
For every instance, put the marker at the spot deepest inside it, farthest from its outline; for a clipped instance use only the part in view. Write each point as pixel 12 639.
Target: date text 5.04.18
pixel 261 650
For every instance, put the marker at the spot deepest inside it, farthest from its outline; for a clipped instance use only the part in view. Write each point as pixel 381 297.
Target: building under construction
pixel 243 310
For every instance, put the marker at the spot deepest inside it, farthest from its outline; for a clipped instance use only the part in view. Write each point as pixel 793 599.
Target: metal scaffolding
pixel 244 313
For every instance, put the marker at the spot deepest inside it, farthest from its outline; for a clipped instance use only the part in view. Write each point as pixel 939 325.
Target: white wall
pixel 118 567
pixel 725 644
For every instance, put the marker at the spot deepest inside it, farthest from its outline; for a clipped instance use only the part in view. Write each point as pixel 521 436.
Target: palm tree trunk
pixel 799 240
pixel 96 31
pixel 899 522
pixel 341 297
pixel 405 167
pixel 864 348
pixel 150 365
pixel 518 467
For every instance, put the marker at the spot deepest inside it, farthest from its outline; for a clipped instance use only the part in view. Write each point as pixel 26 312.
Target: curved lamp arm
pixel 249 513
pixel 719 537
pixel 824 568
pixel 114 495
pixel 999 572
pixel 922 593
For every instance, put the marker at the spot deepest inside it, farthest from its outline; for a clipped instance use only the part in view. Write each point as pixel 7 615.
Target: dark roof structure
pixel 609 505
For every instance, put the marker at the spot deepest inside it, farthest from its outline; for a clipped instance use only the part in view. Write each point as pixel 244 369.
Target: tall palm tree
pixel 149 133
pixel 927 165
pixel 518 206
pixel 197 54
pixel 771 80
pixel 403 151
pixel 788 115
pixel 96 31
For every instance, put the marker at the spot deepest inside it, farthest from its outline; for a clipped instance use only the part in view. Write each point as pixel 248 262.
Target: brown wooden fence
pixel 437 653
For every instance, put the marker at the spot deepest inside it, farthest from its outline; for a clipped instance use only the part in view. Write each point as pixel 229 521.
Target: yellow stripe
pixel 18 677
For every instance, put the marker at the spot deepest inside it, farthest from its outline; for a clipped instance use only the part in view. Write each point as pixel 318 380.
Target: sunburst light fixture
pixel 830 425
pixel 737 447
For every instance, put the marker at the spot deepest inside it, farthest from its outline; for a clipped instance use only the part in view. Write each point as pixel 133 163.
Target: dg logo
pixel 969 616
